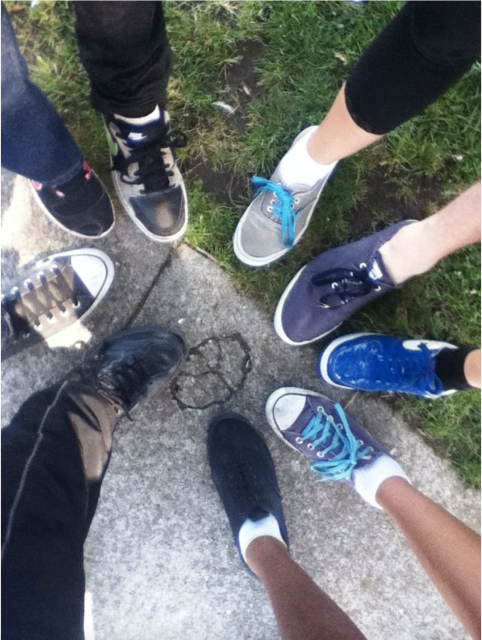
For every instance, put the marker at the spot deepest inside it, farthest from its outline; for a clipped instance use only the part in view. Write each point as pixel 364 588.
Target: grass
pixel 302 53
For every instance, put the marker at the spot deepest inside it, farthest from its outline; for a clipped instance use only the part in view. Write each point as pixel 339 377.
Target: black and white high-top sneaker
pixel 146 176
pixel 58 292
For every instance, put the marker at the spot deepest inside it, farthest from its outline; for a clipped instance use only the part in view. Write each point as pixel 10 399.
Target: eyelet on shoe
pixel 378 288
pixel 76 305
pixel 63 311
pixel 29 284
pixel 272 201
pixel 319 454
pixel 362 265
pixel 310 447
pixel 334 285
pixel 15 291
pixel 299 440
pixel 52 319
pixel 297 200
pixel 26 334
pixel 360 442
pixel 269 209
pixel 41 277
pixel 54 268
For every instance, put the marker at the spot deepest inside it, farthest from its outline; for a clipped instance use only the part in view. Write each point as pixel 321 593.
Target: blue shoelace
pixel 322 429
pixel 282 208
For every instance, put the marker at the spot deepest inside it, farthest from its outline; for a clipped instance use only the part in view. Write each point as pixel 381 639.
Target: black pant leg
pixel 419 55
pixel 124 49
pixel 48 501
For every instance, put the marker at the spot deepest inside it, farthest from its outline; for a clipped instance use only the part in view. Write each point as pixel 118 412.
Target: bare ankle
pixel 263 551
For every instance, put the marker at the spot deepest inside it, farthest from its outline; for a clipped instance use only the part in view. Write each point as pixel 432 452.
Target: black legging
pixel 419 55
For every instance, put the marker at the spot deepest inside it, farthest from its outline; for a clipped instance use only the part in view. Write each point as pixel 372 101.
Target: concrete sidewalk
pixel 160 560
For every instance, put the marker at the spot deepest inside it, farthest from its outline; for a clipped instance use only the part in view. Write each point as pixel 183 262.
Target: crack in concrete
pixel 135 314
pixel 183 386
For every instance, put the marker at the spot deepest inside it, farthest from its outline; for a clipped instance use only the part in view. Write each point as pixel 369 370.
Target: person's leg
pixel 446 548
pixel 348 277
pixel 340 449
pixel 244 475
pixel 124 49
pixel 418 247
pixel 472 368
pixel 54 457
pixel 421 53
pixel 301 608
pixel 37 145
pixel 45 501
pixel 126 54
pixel 35 141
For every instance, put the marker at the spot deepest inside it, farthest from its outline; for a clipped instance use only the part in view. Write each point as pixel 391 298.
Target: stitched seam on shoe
pixel 26 470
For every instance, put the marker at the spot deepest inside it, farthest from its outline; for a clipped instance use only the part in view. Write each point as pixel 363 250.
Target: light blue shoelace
pixel 282 208
pixel 321 429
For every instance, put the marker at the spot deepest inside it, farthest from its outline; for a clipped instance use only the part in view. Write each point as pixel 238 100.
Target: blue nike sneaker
pixel 372 362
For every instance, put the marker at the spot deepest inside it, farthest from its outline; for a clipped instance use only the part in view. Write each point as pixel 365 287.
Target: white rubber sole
pixel 324 358
pixel 52 340
pixel 278 325
pixel 66 229
pixel 152 236
pixel 273 399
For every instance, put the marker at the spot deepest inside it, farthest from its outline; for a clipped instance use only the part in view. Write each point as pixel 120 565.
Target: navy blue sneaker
pixel 133 364
pixel 336 445
pixel 244 475
pixel 371 362
pixel 330 288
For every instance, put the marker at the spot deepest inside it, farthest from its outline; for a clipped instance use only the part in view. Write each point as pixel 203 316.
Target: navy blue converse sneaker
pixel 330 288
pixel 337 447
pixel 146 176
pixel 371 362
pixel 133 364
pixel 244 475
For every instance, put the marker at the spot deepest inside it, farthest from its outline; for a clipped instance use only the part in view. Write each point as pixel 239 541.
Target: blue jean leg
pixel 35 141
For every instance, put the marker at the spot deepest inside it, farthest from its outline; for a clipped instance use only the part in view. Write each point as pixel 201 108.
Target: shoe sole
pixel 103 291
pixel 278 324
pixel 131 213
pixel 323 358
pixel 270 404
pixel 63 227
pixel 245 258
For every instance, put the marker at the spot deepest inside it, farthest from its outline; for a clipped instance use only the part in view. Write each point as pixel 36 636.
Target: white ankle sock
pixel 151 117
pixel 252 529
pixel 368 479
pixel 297 168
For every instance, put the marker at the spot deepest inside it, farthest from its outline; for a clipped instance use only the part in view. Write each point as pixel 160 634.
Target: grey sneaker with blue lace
pixel 277 218
pixel 336 445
